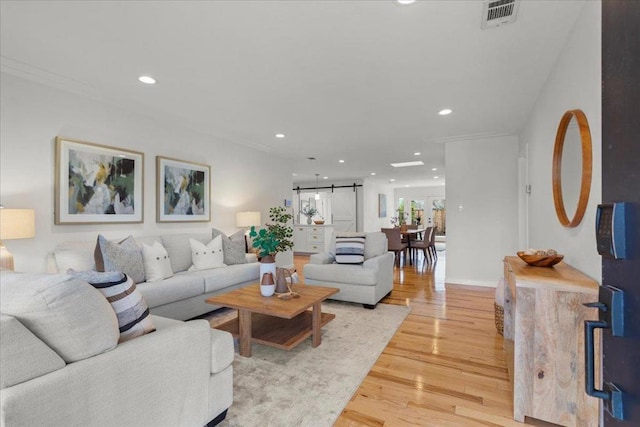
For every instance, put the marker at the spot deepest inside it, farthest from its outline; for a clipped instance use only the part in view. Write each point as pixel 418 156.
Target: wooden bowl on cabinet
pixel 540 260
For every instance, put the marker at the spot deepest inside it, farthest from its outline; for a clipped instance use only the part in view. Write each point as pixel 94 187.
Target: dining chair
pixel 432 244
pixel 422 244
pixel 395 243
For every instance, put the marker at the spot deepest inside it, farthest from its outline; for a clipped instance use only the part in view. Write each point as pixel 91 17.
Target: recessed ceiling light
pixel 434 169
pixel 325 177
pixel 436 177
pixel 279 135
pixel 147 80
pixel 340 161
pixel 404 2
pixel 373 173
pixel 417 153
pixel 445 112
pixel 294 174
pixel 406 164
pixel 392 180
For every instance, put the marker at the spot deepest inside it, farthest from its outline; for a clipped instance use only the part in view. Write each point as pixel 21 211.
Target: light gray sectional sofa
pixel 63 359
pixel 62 363
pixel 366 283
pixel 179 297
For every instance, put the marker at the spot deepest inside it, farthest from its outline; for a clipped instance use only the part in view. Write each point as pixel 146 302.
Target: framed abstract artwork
pixel 183 191
pixel 382 205
pixel 97 183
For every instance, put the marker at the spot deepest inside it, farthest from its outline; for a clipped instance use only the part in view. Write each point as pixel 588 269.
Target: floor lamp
pixel 14 224
pixel 246 220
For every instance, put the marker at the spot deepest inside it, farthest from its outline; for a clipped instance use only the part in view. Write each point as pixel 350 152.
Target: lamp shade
pixel 247 219
pixel 17 224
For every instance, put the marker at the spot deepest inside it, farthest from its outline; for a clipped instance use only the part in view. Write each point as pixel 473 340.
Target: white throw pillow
pixel 157 265
pixel 207 256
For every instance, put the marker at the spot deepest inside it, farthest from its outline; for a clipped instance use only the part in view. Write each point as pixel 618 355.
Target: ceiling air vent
pixel 499 12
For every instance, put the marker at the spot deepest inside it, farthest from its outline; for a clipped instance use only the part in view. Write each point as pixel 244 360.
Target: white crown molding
pixel 28 72
pixel 468 137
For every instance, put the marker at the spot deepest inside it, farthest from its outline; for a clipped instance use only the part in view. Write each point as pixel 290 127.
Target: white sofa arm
pixel 379 261
pixel 322 258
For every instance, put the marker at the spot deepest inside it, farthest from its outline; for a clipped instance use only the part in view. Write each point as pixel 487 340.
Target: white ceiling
pixel 355 80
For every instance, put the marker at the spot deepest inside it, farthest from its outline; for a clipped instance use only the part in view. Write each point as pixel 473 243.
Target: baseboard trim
pixel 465 282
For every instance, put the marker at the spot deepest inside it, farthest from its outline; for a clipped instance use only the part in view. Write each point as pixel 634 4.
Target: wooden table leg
pixel 316 315
pixel 244 319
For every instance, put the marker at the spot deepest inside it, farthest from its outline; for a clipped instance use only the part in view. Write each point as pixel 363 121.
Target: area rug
pixel 311 386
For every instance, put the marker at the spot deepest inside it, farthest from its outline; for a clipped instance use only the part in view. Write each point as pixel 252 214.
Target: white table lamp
pixel 247 219
pixel 15 224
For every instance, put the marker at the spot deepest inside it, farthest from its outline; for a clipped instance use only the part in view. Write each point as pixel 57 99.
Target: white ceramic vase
pixel 267 290
pixel 267 267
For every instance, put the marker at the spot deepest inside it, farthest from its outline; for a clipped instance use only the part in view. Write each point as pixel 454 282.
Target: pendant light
pixel 317 194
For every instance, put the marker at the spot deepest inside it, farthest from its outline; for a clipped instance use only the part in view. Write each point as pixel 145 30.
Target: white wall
pixel 33 114
pixel 575 83
pixel 371 220
pixel 482 208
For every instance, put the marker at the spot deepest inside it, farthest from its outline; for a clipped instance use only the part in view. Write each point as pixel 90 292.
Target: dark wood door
pixel 621 183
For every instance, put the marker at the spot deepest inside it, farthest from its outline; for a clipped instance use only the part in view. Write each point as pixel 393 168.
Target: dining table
pixel 409 233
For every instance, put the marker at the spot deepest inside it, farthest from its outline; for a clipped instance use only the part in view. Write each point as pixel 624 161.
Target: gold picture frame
pixel 97 184
pixel 183 191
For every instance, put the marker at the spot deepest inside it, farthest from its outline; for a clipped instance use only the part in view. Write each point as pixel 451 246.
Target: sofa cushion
pixel 179 249
pixel 157 265
pixel 65 312
pixel 341 273
pixel 206 256
pixel 233 247
pixel 376 245
pixel 76 255
pixel 23 355
pixel 124 256
pixel 127 302
pixel 230 275
pixel 181 286
pixel 350 248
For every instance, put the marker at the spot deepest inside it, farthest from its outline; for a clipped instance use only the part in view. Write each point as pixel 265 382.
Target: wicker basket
pixel 498 311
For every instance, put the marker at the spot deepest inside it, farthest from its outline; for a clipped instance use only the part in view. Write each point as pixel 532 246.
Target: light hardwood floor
pixel 445 365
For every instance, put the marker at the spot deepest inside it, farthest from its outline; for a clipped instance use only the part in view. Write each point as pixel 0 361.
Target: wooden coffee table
pixel 273 321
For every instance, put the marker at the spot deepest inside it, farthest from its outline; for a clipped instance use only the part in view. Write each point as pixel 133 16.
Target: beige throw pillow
pixel 157 265
pixel 207 256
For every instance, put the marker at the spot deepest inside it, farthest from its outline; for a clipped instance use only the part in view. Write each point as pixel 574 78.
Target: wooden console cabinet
pixel 544 340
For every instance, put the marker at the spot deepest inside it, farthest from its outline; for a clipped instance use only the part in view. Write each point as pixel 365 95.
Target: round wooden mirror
pixel 571 172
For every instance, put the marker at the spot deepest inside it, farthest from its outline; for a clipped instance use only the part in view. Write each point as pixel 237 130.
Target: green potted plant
pixel 276 237
pixel 309 212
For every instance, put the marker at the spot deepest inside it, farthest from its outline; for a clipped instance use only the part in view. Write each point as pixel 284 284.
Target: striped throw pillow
pixel 131 309
pixel 350 248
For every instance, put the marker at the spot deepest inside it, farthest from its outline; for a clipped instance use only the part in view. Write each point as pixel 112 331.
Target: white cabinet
pixel 311 238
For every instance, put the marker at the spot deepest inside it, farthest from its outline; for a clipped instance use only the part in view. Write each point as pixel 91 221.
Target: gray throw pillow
pixel 124 256
pixel 233 247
